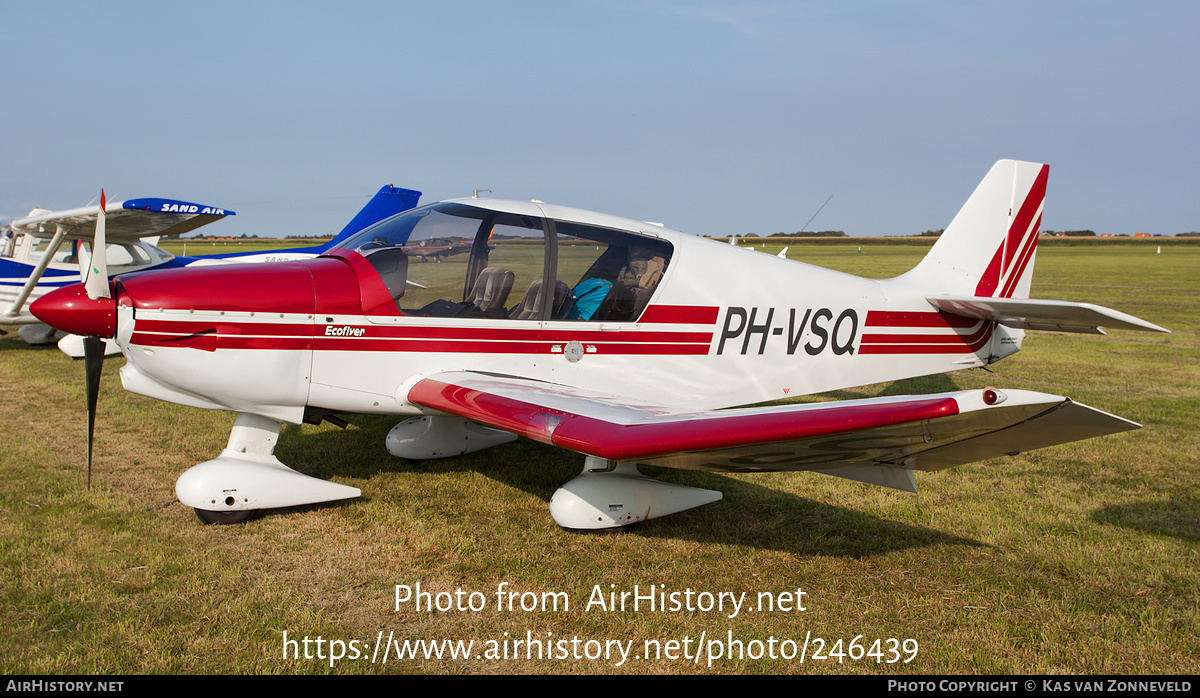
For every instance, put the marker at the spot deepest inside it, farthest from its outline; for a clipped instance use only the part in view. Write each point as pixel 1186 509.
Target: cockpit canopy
pixel 460 260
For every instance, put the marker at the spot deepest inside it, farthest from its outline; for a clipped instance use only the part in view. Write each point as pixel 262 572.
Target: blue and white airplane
pixel 49 249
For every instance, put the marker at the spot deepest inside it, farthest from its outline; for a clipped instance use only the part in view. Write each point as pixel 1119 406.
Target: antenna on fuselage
pixel 810 220
pixel 475 194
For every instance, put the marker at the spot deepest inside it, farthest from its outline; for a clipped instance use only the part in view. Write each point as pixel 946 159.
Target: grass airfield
pixel 1080 559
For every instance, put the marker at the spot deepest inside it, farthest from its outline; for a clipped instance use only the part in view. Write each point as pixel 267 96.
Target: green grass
pixel 1078 559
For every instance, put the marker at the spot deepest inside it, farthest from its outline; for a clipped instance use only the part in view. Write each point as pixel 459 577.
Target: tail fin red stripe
pixel 1029 208
pixel 1026 255
pixel 991 277
pixel 1020 239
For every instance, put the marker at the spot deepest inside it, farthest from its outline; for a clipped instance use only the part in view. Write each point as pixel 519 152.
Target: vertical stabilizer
pixel 988 249
pixel 386 203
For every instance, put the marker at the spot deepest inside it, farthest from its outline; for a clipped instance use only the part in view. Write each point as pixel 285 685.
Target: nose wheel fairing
pixel 247 475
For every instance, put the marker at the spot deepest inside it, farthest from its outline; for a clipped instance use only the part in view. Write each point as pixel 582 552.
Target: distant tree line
pixel 1072 233
pixel 222 237
pixel 812 234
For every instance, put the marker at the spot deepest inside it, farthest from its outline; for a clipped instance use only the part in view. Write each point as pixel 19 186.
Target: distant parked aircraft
pixel 48 249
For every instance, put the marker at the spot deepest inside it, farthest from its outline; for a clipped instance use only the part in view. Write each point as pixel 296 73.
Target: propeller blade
pixel 85 261
pixel 96 282
pixel 93 363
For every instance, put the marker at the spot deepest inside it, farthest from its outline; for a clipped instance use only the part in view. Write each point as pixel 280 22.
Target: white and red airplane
pixel 620 340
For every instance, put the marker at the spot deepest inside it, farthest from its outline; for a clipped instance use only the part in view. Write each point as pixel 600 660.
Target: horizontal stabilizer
pixel 875 440
pixel 1030 314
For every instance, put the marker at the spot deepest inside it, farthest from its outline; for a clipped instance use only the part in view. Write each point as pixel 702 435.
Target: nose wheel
pixel 224 518
pixel 247 477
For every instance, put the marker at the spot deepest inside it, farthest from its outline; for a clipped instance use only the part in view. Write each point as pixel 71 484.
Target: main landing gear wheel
pixel 224 518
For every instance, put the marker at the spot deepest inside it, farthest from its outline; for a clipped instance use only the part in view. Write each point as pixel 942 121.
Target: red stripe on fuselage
pixel 523 334
pixel 373 331
pixel 369 337
pixel 681 314
pixel 183 327
pixel 914 318
pixel 211 341
pixel 925 338
pixel 496 347
pixel 922 344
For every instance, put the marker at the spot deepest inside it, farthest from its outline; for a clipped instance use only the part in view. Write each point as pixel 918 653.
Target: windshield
pixel 445 224
pixel 429 258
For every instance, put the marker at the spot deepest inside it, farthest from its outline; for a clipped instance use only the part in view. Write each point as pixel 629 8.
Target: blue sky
pixel 710 117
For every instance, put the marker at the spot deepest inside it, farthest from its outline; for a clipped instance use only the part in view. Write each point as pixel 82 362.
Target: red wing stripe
pixel 662 437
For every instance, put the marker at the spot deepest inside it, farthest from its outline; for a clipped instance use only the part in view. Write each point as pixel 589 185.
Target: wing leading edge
pixel 876 440
pixel 126 221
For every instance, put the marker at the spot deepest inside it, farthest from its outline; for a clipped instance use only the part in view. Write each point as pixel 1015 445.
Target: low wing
pixel 877 440
pixel 1034 314
pixel 126 221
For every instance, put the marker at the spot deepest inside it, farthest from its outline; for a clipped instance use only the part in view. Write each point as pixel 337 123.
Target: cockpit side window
pixel 42 245
pixel 120 257
pixel 517 244
pixel 612 274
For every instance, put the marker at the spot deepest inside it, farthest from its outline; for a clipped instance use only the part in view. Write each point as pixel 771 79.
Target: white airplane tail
pixel 982 266
pixel 988 249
